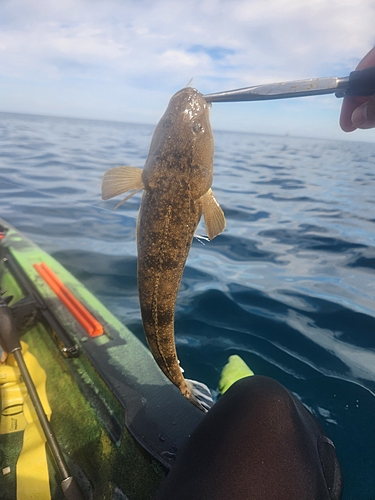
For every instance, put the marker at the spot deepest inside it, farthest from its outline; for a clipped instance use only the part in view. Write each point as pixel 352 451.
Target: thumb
pixel 364 116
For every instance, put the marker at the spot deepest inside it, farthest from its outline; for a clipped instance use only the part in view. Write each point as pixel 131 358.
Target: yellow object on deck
pixel 234 370
pixel 13 393
pixel 18 414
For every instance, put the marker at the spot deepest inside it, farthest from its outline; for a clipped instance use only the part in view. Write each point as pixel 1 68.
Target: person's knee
pixel 262 393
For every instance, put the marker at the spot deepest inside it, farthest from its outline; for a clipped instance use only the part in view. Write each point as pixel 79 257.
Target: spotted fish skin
pixel 177 180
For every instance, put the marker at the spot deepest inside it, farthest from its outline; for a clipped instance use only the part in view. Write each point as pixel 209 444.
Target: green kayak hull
pixel 118 420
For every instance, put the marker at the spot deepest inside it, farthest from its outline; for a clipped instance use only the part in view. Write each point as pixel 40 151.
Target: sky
pixel 122 60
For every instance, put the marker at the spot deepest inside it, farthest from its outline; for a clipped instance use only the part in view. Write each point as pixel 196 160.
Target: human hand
pixel 359 112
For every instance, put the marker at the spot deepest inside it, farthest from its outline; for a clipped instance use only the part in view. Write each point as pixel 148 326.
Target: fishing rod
pixel 10 343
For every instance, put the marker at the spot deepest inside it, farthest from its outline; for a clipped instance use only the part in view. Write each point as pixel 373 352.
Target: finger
pixel 347 108
pixel 364 116
pixel 349 105
pixel 368 60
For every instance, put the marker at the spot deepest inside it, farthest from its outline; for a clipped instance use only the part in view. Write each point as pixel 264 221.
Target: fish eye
pixel 197 127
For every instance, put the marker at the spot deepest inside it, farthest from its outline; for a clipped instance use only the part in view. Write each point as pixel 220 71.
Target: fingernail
pixel 359 116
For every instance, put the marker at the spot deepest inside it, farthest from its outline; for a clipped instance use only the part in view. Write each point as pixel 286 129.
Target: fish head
pixel 183 142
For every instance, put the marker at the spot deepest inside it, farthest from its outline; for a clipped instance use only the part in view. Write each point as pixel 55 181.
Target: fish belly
pixel 165 231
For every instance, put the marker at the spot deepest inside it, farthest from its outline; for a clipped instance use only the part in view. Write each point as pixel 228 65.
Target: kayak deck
pixel 117 418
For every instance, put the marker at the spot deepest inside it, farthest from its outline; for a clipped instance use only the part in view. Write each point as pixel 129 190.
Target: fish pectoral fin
pixel 119 180
pixel 213 215
pixel 127 197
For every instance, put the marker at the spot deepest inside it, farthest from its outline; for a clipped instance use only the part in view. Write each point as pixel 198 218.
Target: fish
pixel 176 182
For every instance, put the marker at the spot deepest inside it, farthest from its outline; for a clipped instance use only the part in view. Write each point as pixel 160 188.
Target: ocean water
pixel 289 285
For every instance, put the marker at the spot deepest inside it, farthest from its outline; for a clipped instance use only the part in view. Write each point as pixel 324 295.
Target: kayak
pixel 118 421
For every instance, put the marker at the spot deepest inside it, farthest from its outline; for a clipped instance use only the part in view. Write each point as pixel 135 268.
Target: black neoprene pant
pixel 258 442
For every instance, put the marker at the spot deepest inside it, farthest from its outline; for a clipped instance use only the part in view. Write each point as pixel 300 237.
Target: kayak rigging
pixel 113 410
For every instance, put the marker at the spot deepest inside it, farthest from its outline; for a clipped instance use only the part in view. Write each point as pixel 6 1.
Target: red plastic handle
pixel 79 311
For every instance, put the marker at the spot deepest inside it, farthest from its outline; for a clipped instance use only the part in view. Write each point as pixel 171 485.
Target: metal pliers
pixel 358 83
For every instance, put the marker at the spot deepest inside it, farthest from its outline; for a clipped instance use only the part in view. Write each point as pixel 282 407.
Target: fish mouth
pixel 187 91
pixel 190 103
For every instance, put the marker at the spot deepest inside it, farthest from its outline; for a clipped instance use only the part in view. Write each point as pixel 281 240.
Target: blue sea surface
pixel 289 286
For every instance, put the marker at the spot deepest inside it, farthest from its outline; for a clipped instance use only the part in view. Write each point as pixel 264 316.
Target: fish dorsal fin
pixel 119 180
pixel 213 215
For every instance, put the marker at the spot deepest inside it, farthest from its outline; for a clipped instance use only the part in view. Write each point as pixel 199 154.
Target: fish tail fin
pixel 200 395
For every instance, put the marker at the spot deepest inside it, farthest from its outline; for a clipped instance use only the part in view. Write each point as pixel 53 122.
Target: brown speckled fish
pixel 177 180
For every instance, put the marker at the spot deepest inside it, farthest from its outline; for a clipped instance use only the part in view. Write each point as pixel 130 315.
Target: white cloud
pixel 271 35
pixel 162 44
pixel 170 58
